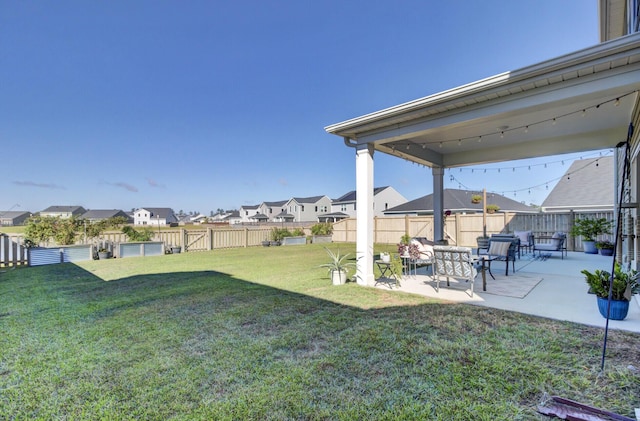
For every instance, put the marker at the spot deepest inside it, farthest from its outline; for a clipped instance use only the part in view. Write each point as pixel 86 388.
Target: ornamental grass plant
pixel 261 334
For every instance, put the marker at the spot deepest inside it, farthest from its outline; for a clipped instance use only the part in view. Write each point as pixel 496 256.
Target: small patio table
pixel 485 260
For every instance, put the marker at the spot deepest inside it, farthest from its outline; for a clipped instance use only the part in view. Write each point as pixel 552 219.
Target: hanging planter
pixel 476 198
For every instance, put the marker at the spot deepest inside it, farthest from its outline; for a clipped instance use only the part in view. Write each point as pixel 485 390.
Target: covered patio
pixel 557 291
pixel 583 101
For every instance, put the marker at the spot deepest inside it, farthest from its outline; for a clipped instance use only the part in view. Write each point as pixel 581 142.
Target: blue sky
pixel 202 105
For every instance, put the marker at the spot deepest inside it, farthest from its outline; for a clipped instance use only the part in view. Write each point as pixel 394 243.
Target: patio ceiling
pixel 578 102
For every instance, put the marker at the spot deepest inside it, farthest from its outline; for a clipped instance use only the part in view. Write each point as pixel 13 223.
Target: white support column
pixel 438 203
pixel 364 214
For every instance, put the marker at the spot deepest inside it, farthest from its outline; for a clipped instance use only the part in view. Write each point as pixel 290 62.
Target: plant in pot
pixel 625 285
pixel 338 267
pixel 476 198
pixel 103 253
pixel 491 208
pixel 590 229
pixel 605 247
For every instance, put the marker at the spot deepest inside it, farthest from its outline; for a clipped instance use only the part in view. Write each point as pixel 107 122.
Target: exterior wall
pixel 345 207
pixel 387 199
pixel 247 213
pixel 270 211
pixel 145 217
pixel 308 212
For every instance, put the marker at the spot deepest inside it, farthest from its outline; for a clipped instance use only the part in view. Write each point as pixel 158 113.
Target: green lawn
pixel 261 333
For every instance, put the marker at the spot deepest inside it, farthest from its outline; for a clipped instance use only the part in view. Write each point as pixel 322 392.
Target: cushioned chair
pixel 425 253
pixel 557 242
pixel 503 248
pixel 453 262
pixel 526 240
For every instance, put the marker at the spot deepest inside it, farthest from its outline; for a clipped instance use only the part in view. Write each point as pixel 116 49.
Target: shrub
pixel 277 234
pixel 322 228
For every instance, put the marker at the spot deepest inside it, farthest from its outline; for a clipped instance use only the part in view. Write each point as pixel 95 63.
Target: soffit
pixel 511 115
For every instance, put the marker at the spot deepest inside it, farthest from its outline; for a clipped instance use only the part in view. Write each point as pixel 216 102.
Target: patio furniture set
pixel 460 263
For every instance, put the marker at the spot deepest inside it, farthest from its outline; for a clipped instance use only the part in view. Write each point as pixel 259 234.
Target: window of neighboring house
pixel 316 209
pixel 301 208
pixel 386 206
pixel 270 210
pixel 343 208
pixel 246 213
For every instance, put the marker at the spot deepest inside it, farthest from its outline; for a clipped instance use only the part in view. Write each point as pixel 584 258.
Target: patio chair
pixel 453 262
pixel 526 240
pixel 557 242
pixel 503 248
pixel 425 249
pixel 510 237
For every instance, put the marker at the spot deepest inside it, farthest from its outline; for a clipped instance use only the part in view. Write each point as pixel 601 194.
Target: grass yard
pixel 261 333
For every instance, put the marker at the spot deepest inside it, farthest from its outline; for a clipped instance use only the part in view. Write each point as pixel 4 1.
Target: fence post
pixel 246 237
pixel 572 243
pixel 209 239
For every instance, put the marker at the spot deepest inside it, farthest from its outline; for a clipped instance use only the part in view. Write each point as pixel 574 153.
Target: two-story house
pixel 384 198
pixel 154 216
pixel 271 210
pixel 306 209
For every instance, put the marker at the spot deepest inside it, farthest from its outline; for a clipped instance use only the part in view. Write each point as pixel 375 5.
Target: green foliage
pixel 604 245
pixel 591 228
pixel 298 232
pixel 338 261
pixel 146 234
pixel 625 283
pixel 492 208
pixel 97 228
pixel 44 229
pixel 405 239
pixel 476 198
pixel 277 234
pixel 322 228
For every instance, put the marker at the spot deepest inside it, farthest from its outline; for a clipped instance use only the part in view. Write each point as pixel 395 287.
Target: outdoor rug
pixel 515 285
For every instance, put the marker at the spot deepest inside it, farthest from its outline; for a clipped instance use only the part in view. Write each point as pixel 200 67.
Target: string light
pixel 528 189
pixel 525 128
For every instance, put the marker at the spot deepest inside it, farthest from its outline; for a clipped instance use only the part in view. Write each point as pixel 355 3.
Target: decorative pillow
pixel 499 248
pixel 426 250
pixel 524 237
pixel 556 239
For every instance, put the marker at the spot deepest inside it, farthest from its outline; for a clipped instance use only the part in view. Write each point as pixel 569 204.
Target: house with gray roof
pixel 384 198
pixel 247 213
pixel 13 218
pixel 459 201
pixel 64 212
pixel 95 215
pixel 272 209
pixel 154 216
pixel 307 209
pixel 588 185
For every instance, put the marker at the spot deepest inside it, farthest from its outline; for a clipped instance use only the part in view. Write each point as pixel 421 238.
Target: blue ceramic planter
pixel 618 311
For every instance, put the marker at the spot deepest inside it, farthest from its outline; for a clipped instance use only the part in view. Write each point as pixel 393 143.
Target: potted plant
pixel 625 284
pixel 322 232
pixel 605 247
pixel 491 208
pixel 337 267
pixel 103 253
pixel 176 249
pixel 476 198
pixel 590 229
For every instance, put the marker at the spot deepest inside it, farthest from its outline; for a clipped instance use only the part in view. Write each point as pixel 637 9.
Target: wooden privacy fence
pixel 463 229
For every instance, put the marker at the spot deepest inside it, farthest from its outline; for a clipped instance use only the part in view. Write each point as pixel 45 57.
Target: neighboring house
pixel 63 211
pixel 12 218
pixel 588 185
pixel 247 213
pixel 272 209
pixel 154 216
pixel 198 219
pixel 232 217
pixel 384 198
pixel 459 201
pixel 306 209
pixel 95 215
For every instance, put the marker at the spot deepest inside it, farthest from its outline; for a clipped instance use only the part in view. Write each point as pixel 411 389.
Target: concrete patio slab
pixel 561 294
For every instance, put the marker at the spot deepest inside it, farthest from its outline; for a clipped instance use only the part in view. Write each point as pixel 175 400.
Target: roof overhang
pixel 577 102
